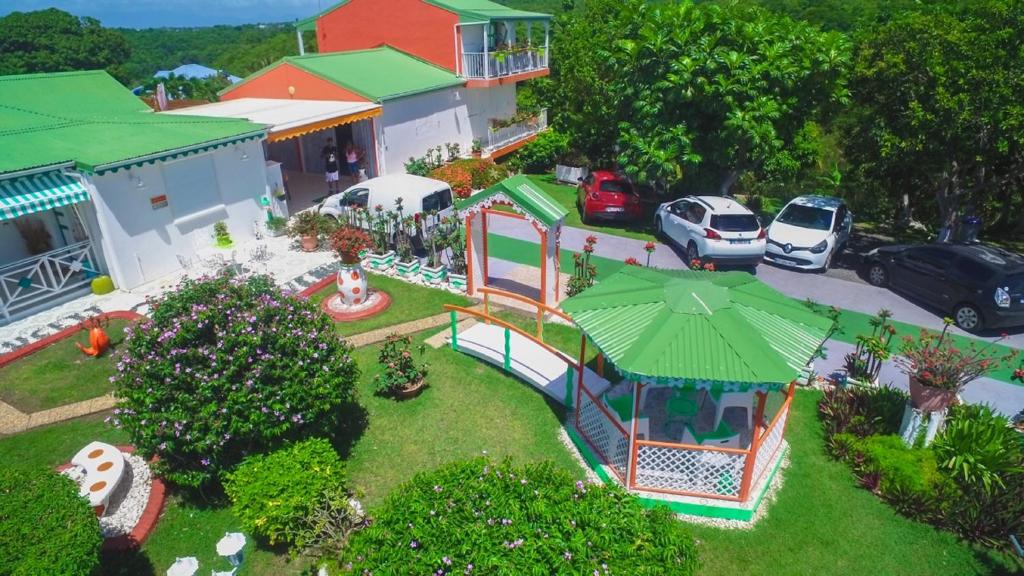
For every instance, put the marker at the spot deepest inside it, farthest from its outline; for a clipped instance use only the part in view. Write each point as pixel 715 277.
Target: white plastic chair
pixel 743 400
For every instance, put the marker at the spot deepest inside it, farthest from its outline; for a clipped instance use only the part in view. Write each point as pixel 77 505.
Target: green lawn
pixel 60 374
pixel 566 196
pixel 408 302
pixel 823 523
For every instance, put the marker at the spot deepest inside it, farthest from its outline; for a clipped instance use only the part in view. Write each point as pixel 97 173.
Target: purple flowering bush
pixel 480 517
pixel 228 367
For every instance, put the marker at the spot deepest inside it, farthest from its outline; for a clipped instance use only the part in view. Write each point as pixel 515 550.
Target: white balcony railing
pixel 501 137
pixel 37 279
pixel 503 63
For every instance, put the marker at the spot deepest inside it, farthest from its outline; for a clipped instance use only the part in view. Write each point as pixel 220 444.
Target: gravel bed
pixel 128 501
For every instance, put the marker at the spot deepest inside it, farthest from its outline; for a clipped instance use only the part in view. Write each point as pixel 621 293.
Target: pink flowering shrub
pixel 481 517
pixel 226 368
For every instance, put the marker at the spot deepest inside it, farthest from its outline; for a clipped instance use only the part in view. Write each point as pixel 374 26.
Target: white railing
pixel 500 137
pixel 689 470
pixel 503 63
pixel 33 280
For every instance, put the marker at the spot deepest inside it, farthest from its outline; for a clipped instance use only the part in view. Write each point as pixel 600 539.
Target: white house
pixel 93 182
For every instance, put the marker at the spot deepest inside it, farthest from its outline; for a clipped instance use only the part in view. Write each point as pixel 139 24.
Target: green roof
pixel 381 73
pixel 698 328
pixel 467 11
pixel 527 195
pixel 88 118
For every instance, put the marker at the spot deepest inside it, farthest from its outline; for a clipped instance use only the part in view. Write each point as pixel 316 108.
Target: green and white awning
pixel 29 194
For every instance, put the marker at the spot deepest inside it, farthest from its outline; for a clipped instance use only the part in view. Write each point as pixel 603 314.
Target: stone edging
pixel 27 349
pixel 150 514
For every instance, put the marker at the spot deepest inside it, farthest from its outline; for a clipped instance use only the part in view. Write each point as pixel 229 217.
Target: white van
pixel 418 194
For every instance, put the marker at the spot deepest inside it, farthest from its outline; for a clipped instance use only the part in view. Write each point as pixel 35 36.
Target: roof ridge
pixel 36 75
pixel 316 55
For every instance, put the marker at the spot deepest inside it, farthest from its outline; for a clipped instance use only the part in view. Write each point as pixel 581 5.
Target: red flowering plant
pixel 697 265
pixel 632 261
pixel 865 362
pixel 935 360
pixel 584 272
pixel 649 248
pixel 399 369
pixel 457 176
pixel 348 242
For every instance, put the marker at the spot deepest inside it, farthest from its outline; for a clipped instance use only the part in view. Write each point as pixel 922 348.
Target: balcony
pixel 512 49
pixel 501 140
pixel 503 63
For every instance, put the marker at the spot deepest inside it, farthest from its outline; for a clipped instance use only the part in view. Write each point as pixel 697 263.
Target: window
pixel 735 222
pixel 192 190
pixel 356 197
pixel 973 270
pixel 931 257
pixel 695 213
pixel 840 218
pixel 615 186
pixel 437 201
pixel 806 217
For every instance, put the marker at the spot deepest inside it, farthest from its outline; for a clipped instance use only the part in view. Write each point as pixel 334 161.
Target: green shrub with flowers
pixel 276 494
pixel 935 360
pixel 225 368
pixel 399 369
pixel 482 517
pixel 468 174
pixel 457 176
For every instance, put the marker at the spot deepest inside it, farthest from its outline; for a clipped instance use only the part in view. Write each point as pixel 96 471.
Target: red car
pixel 605 195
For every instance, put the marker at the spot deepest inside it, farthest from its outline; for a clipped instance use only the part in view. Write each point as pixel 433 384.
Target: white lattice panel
pixel 694 471
pixel 769 446
pixel 612 446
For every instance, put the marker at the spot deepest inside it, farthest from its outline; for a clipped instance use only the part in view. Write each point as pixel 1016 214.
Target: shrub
pixel 541 153
pixel 978 447
pixel 398 369
pixel 479 517
pixel 862 411
pixel 348 241
pixel 275 494
pixel 457 176
pixel 45 526
pixel 226 368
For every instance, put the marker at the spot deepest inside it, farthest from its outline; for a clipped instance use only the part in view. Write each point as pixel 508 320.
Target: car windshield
pixel 615 186
pixel 735 223
pixel 806 217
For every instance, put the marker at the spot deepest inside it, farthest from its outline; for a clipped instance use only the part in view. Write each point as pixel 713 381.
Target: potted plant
pixel 380 223
pixel 400 375
pixel 571 167
pixel 864 364
pixel 939 368
pixel 478 148
pixel 435 271
pixel 408 264
pixel 276 226
pixel 347 242
pixel 221 236
pixel 584 272
pixel 453 244
pixel 307 227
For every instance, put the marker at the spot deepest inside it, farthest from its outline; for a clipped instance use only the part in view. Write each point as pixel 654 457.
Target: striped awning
pixel 29 194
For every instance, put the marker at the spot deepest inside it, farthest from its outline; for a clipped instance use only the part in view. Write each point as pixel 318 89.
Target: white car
pixel 418 194
pixel 712 228
pixel 809 233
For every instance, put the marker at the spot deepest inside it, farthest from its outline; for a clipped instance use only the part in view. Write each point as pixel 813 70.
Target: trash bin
pixel 970 226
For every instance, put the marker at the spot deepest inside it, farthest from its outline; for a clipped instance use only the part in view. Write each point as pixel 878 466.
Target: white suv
pixel 713 228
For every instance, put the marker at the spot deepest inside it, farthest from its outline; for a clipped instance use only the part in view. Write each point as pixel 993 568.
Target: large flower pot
pixel 929 398
pixel 351 283
pixel 381 262
pixel 435 275
pixel 457 281
pixel 309 243
pixel 411 390
pixel 409 268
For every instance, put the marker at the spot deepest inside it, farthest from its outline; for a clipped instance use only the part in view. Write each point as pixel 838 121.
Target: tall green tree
pixel 939 110
pixel 726 89
pixel 54 41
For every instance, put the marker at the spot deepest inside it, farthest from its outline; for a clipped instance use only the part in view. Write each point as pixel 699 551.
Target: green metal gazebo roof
pixel 523 192
pixel 698 327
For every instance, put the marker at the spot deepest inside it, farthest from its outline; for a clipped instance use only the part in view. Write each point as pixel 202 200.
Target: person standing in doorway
pixel 331 166
pixel 352 158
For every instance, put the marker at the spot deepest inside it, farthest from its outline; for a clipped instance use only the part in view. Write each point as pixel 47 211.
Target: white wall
pixel 141 243
pixel 414 124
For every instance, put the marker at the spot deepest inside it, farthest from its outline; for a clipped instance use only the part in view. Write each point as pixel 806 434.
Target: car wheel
pixel 968 317
pixel 877 274
pixel 828 261
pixel 659 228
pixel 692 253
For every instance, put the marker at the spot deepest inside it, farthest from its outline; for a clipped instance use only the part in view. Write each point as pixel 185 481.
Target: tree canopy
pixel 54 41
pixel 938 109
pixel 669 88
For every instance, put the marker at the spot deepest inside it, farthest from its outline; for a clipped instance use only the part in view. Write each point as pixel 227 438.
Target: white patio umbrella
pixel 231 546
pixel 187 566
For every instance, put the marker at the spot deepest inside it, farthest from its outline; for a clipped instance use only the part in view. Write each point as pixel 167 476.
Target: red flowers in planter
pixel 632 262
pixel 348 241
pixel 936 361
pixel 649 247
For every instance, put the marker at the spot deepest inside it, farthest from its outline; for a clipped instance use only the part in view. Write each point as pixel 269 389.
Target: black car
pixel 978 285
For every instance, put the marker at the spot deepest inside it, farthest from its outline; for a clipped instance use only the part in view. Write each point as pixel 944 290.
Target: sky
pixel 175 13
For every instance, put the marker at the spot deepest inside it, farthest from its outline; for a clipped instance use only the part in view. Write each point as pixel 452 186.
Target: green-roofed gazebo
pixel 702 367
pixel 529 203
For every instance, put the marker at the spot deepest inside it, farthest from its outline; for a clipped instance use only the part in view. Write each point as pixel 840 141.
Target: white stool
pixel 743 400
